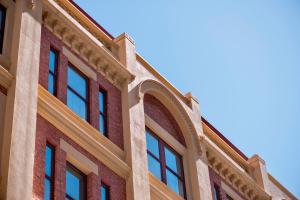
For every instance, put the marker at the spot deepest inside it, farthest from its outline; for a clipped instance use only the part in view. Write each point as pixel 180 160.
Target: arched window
pixel 165 163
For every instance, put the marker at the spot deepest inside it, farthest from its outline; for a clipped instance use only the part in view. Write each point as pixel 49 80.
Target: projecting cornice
pixel 86 45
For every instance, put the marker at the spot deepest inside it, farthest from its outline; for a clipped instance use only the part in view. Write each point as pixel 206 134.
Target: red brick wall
pixel 114 107
pixel 215 179
pixel 161 115
pixel 47 133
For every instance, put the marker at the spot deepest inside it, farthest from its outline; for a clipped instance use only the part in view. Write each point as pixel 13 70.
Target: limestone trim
pixel 79 64
pixel 164 135
pixel 78 159
pixel 168 97
pixel 224 146
pixel 160 191
pixel 5 77
pixel 233 174
pixel 81 41
pixel 82 132
pixel 281 187
pixel 153 71
pixel 230 191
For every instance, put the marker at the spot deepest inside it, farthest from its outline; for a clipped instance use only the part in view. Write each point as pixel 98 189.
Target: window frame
pixel 83 187
pixel 2 26
pixel 55 73
pixel 107 188
pixel 162 161
pixel 104 114
pixel 87 100
pixel 52 176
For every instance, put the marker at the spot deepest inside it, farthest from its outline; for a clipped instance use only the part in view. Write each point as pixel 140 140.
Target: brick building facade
pixel 84 116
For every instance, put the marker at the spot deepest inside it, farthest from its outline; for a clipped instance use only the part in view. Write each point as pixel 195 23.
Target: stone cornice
pixel 86 45
pixel 5 77
pixel 232 174
pixel 81 132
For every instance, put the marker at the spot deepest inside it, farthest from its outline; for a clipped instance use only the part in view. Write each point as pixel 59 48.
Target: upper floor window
pixel 104 192
pixel 165 163
pixel 75 184
pixel 2 26
pixel 53 61
pixel 216 193
pixel 102 112
pixel 77 96
pixel 49 173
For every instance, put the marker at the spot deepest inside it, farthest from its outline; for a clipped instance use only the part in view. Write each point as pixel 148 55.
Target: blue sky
pixel 241 59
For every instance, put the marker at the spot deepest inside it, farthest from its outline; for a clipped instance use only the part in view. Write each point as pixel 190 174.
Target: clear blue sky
pixel 241 59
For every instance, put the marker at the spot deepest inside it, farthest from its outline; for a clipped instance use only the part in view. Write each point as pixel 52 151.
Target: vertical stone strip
pixel 20 117
pixel 137 185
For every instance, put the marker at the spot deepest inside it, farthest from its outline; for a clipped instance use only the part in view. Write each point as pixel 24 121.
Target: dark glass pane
pixel 174 183
pixel 154 167
pixel 52 61
pixel 77 82
pixel 101 102
pixel 104 192
pixel 51 83
pixel 47 190
pixel 152 144
pixel 48 161
pixel 102 124
pixel 216 193
pixel 76 104
pixel 173 161
pixel 1 16
pixel 72 186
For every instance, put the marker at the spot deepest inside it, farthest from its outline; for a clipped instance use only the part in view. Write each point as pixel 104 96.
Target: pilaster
pixel 20 116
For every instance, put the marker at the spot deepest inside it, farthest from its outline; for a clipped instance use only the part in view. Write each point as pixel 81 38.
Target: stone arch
pixel 171 102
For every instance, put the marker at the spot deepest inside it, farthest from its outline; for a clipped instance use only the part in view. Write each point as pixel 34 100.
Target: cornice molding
pixel 233 175
pixel 160 191
pixel 82 42
pixel 81 132
pixel 5 77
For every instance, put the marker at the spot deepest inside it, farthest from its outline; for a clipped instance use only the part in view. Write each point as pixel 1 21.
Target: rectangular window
pixel 165 164
pixel 104 190
pixel 2 26
pixel 49 173
pixel 216 192
pixel 77 95
pixel 75 184
pixel 102 112
pixel 53 61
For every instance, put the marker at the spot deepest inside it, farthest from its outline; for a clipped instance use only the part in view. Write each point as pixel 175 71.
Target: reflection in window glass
pixel 77 93
pixel 75 184
pixel 104 192
pixel 216 192
pixel 102 113
pixel 52 71
pixel 2 26
pixel 164 163
pixel 49 173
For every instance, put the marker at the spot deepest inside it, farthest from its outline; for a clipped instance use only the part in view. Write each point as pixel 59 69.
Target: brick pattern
pixel 46 132
pixel 161 115
pixel 215 179
pixel 114 107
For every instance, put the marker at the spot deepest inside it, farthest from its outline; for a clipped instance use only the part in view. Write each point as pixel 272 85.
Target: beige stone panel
pixel 2 113
pixel 230 191
pixel 20 117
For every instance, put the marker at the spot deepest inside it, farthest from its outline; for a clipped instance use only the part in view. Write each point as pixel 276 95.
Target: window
pixel 104 190
pixel 2 26
pixel 75 184
pixel 229 197
pixel 53 56
pixel 165 163
pixel 49 173
pixel 216 192
pixel 102 113
pixel 77 97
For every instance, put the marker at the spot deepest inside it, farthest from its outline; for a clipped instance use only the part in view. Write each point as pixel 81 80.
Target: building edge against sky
pixel 80 106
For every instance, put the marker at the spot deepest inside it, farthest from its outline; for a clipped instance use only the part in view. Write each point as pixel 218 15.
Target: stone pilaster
pixel 21 108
